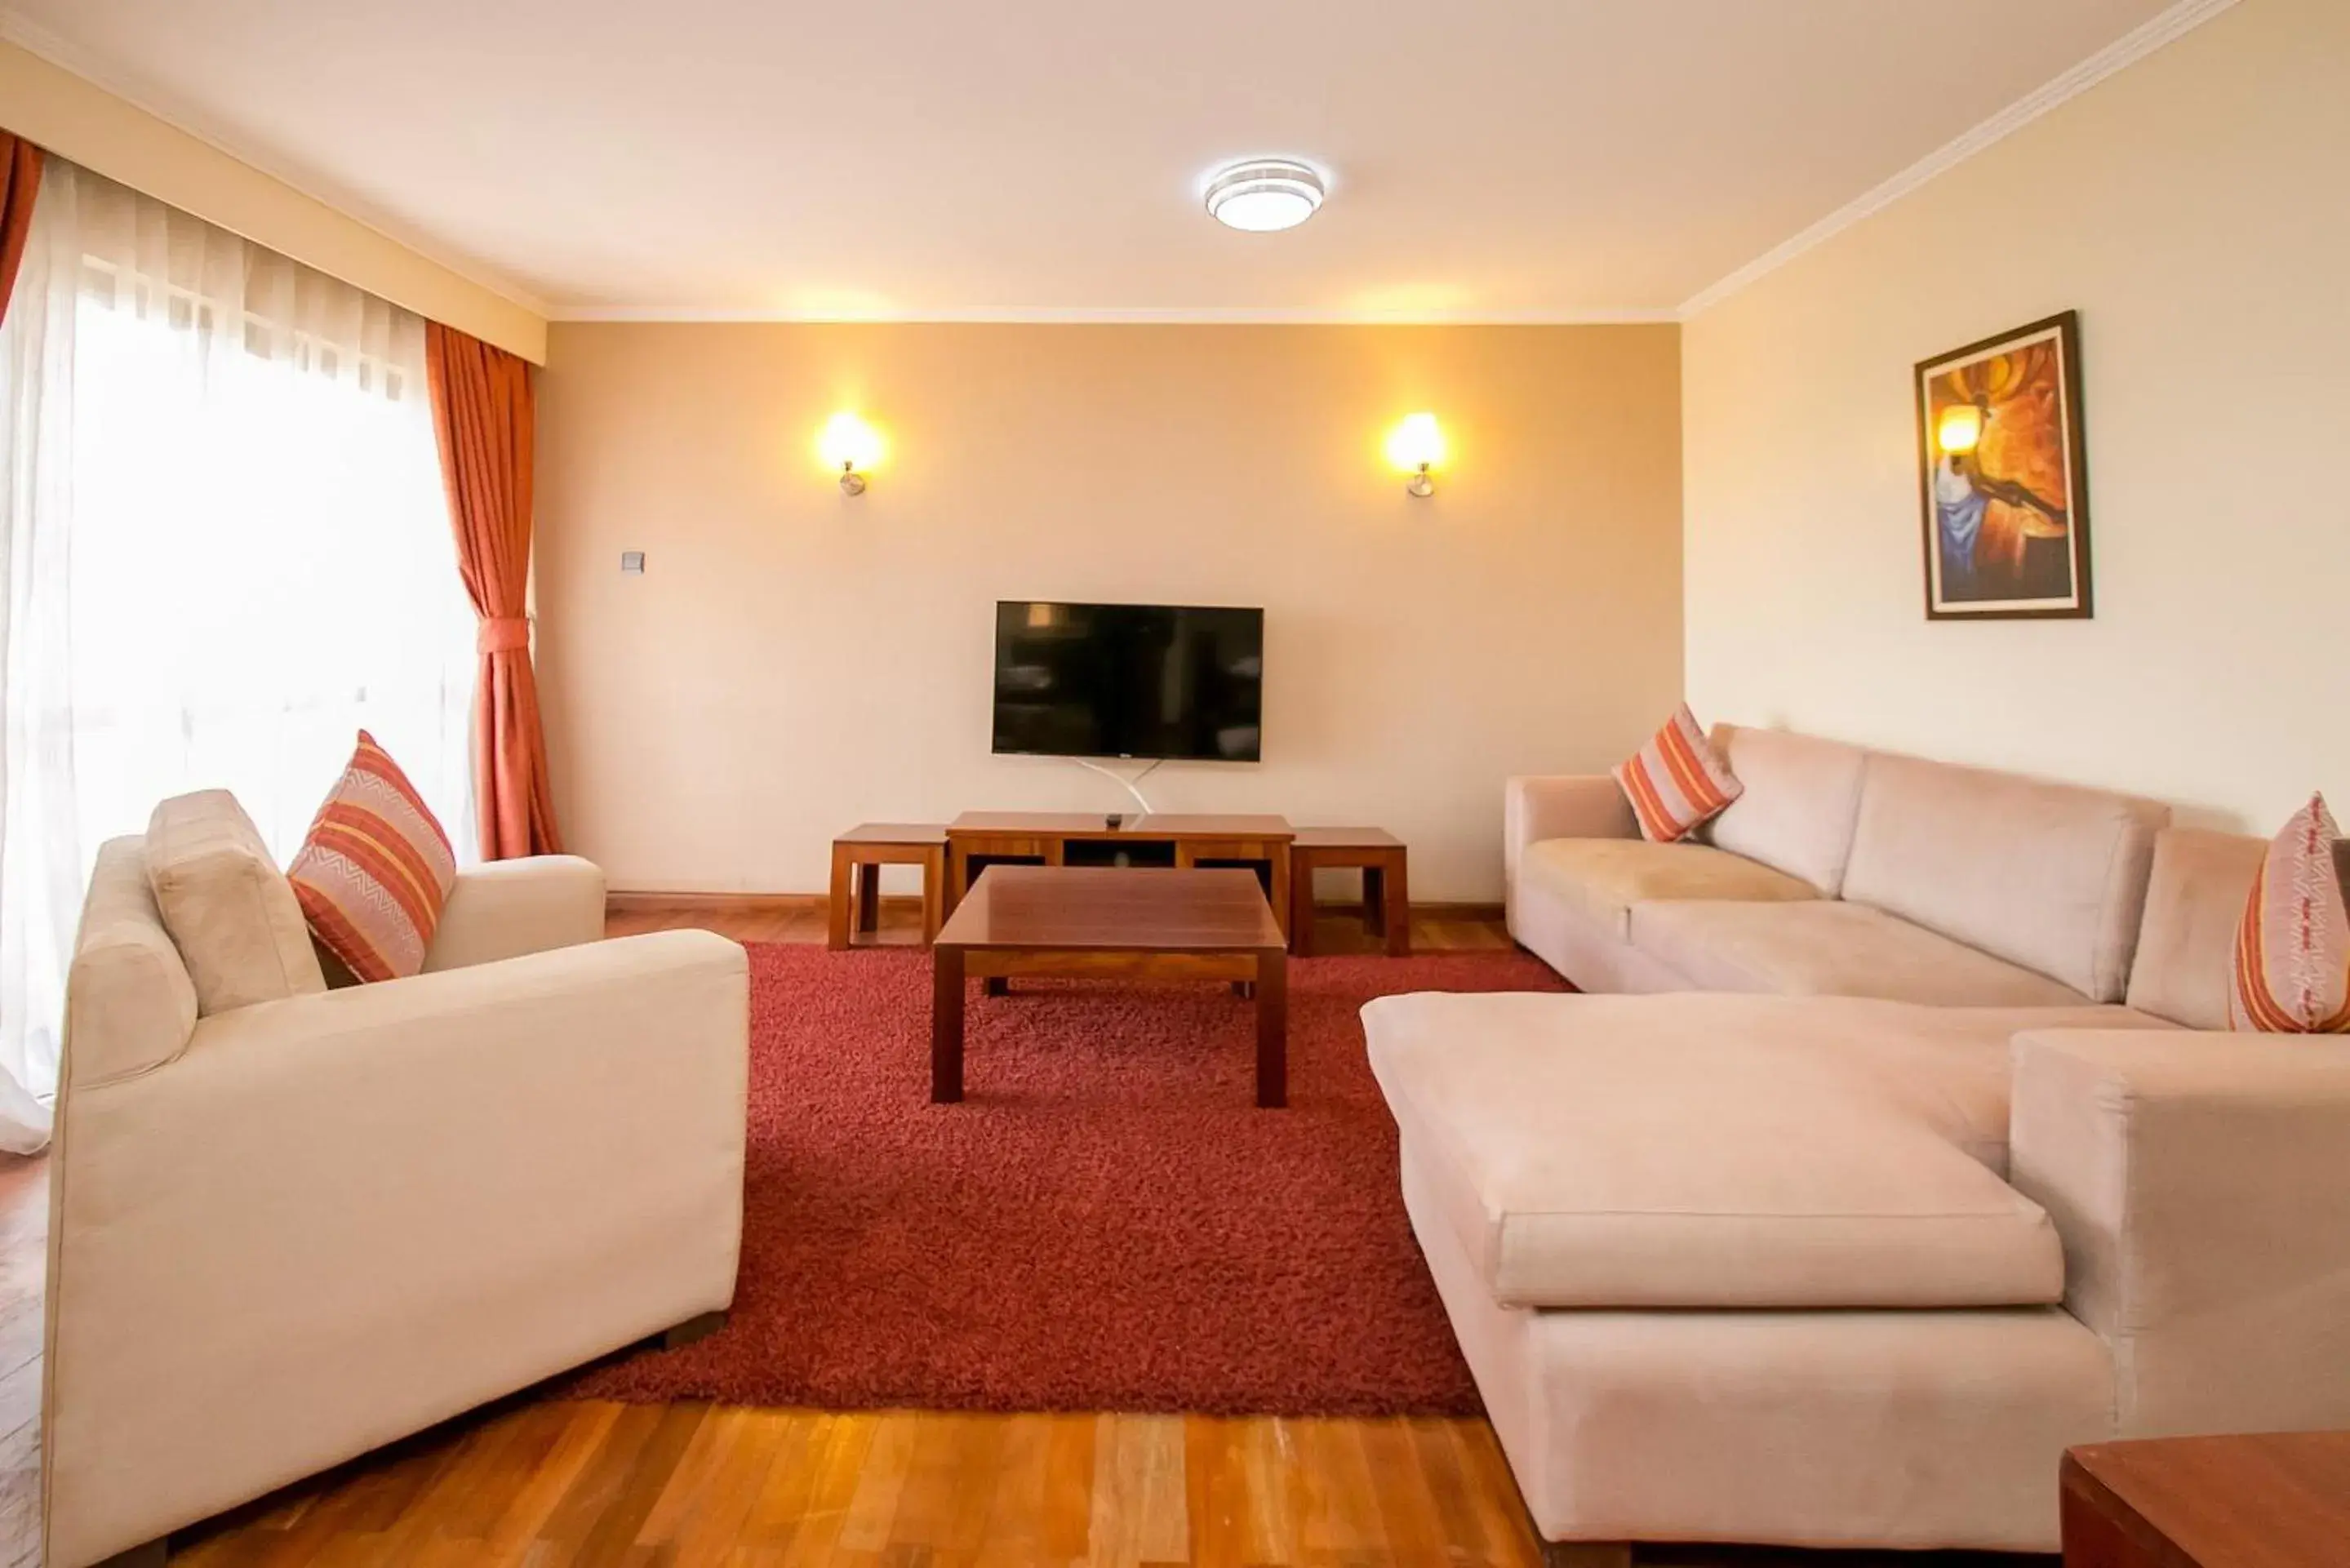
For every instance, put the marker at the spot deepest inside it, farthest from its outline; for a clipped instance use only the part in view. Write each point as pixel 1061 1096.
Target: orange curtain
pixel 20 177
pixel 482 414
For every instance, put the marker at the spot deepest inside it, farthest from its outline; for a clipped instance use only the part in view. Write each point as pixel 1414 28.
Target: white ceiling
pixel 1507 159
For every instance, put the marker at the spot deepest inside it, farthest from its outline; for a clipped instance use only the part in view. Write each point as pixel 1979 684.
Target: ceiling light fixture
pixel 1263 194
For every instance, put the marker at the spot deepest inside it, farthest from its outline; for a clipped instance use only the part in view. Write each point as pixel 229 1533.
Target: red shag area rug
pixel 1106 1223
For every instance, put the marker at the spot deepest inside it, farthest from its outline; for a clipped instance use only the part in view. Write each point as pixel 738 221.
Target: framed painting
pixel 2003 478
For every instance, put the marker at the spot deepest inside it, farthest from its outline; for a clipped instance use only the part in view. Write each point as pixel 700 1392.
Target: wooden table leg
pixel 836 922
pixel 1273 1028
pixel 935 878
pixel 1301 905
pixel 868 899
pixel 1394 901
pixel 1374 909
pixel 946 1026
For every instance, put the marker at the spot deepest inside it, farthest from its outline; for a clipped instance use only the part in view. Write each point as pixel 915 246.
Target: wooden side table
pixel 857 857
pixel 1380 855
pixel 2263 1499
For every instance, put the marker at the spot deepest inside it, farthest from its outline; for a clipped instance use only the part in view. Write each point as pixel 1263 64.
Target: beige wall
pixel 2193 209
pixel 76 119
pixel 793 661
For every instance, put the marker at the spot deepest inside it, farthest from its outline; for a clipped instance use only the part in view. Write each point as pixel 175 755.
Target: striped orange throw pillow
pixel 1678 782
pixel 376 870
pixel 2292 946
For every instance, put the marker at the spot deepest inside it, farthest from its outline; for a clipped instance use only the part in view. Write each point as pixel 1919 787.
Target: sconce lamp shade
pixel 1960 429
pixel 1417 444
pixel 849 445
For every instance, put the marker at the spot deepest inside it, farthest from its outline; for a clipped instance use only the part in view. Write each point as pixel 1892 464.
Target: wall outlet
pixel 633 562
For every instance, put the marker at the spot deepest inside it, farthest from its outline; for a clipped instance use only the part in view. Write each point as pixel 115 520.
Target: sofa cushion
pixel 376 869
pixel 2292 947
pixel 1704 1151
pixel 1828 948
pixel 1604 878
pixel 129 1005
pixel 230 910
pixel 2187 943
pixel 2051 876
pixel 1801 798
pixel 1678 782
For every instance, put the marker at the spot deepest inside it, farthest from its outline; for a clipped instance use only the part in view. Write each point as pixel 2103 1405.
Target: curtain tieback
pixel 502 634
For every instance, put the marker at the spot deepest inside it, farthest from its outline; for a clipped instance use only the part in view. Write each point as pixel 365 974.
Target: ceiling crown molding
pixel 38 41
pixel 1111 315
pixel 2183 17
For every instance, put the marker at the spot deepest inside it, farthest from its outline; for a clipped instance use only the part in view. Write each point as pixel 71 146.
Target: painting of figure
pixel 2003 479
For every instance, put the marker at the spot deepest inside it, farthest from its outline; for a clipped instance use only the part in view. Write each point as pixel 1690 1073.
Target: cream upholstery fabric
pixel 1566 805
pixel 2047 875
pixel 1593 956
pixel 1801 798
pixel 1829 947
pixel 130 1004
pixel 1718 1151
pixel 229 909
pixel 1905 1429
pixel 505 907
pixel 2201 1182
pixel 305 1229
pixel 1604 878
pixel 2187 944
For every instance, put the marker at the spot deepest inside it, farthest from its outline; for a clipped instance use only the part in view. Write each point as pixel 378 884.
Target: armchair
pixel 288 1233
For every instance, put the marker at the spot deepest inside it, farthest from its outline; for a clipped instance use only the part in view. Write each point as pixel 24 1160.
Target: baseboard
pixel 639 901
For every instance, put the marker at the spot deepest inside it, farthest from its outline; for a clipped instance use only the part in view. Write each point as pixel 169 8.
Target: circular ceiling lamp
pixel 1263 194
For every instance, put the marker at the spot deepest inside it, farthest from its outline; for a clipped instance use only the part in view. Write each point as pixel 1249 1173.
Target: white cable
pixel 1128 783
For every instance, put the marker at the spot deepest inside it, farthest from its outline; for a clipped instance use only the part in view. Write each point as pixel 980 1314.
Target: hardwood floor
pixel 591 1483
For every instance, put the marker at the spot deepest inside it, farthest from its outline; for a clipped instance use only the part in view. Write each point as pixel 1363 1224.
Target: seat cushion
pixel 1699 1151
pixel 1827 948
pixel 229 909
pixel 1796 812
pixel 1604 878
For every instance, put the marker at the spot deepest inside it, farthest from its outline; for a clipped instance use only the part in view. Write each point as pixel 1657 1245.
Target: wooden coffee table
pixel 1093 922
pixel 2262 1499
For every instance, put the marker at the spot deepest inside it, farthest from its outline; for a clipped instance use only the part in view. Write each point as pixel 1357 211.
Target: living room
pixel 1288 786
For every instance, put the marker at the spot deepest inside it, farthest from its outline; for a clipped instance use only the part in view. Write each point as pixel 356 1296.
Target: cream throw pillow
pixel 231 913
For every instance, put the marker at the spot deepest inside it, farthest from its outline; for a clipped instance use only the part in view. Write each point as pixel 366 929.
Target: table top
pixel 2267 1499
pixel 1346 838
pixel 1095 824
pixel 894 832
pixel 1113 908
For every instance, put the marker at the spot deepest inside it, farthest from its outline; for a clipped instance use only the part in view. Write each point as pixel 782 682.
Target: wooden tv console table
pixel 978 839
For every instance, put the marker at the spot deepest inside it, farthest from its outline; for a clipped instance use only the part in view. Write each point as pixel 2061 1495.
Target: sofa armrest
pixel 1535 806
pixel 504 908
pixel 2200 1182
pixel 344 1217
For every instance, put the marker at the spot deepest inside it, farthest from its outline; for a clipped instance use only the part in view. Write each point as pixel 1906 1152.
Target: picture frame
pixel 2003 490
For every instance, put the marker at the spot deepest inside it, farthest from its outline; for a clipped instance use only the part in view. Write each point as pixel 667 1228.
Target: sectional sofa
pixel 1926 1155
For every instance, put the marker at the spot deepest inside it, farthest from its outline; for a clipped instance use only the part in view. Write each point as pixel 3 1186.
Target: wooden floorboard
pixel 590 1482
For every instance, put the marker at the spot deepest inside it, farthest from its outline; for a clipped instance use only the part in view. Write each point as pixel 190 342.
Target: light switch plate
pixel 633 561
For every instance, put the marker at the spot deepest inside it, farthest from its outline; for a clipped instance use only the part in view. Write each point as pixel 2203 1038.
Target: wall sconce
pixel 1414 446
pixel 1960 429
pixel 852 446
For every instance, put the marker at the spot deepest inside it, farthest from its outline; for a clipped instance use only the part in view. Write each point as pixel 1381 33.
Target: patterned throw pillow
pixel 1679 781
pixel 2293 947
pixel 376 870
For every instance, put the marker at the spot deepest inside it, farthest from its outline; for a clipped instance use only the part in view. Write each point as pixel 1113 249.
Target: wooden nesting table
pixel 1088 922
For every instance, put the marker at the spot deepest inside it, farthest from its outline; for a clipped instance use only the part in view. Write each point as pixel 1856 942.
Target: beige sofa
pixel 288 1230
pixel 1939 1160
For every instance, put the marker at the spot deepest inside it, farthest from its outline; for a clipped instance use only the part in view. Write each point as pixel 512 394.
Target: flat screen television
pixel 1129 680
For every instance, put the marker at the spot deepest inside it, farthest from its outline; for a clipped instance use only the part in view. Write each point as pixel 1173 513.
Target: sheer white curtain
pixel 227 549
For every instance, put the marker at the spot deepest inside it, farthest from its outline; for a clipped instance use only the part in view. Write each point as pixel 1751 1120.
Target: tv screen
pixel 1128 680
